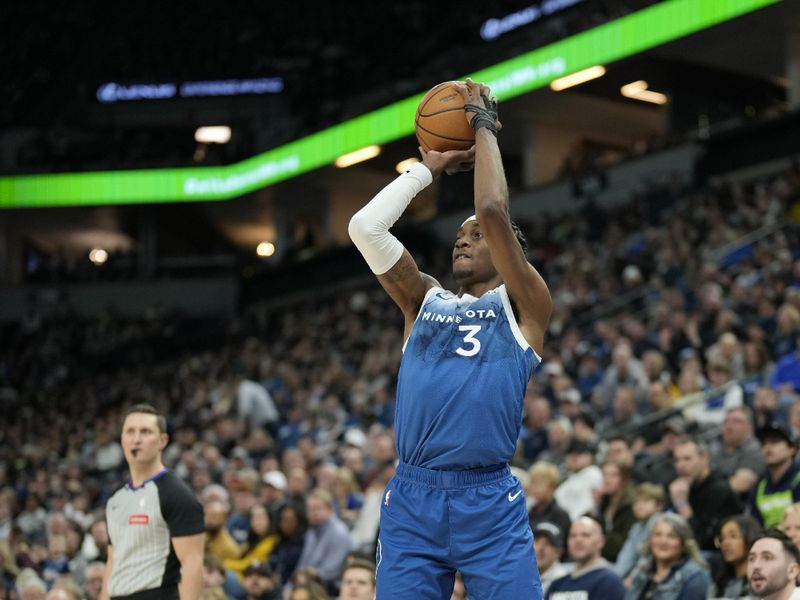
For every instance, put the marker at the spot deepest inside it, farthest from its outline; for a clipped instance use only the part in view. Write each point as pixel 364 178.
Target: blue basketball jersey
pixel 462 380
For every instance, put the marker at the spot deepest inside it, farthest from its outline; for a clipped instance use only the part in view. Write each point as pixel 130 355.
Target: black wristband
pixel 479 121
pixel 483 117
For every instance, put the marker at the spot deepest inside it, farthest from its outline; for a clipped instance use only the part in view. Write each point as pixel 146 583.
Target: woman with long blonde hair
pixel 671 567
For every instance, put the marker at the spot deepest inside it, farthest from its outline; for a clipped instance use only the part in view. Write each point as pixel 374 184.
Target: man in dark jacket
pixel 702 496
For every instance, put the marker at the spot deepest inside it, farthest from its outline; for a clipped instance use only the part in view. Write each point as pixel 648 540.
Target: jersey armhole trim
pixel 428 294
pixel 512 321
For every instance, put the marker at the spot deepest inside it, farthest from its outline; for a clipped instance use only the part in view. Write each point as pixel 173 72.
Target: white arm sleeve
pixel 369 227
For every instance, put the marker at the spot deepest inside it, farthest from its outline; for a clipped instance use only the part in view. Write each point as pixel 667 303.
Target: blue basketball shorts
pixel 434 523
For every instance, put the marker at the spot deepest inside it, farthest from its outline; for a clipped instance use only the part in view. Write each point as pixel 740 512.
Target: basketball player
pixel 155 523
pixel 453 503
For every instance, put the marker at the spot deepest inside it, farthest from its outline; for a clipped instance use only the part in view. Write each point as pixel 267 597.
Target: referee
pixel 155 523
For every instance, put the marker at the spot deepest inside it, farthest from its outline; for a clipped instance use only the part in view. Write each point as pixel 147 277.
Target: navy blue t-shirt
pixel 599 584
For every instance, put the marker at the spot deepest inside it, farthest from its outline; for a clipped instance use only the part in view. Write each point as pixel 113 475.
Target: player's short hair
pixel 517 232
pixel 520 237
pixel 161 421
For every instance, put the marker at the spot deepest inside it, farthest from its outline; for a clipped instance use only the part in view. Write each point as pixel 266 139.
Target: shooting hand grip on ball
pixel 480 109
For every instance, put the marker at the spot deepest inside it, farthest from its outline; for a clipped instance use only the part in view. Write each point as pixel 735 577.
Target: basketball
pixel 440 122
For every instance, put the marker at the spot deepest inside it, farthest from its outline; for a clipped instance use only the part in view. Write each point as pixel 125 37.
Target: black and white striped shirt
pixel 141 522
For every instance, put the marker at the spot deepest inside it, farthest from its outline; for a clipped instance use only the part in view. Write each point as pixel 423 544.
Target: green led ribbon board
pixel 612 41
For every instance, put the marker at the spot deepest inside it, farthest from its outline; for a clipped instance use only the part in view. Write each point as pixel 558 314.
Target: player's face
pixel 357 585
pixel 471 258
pixel 142 442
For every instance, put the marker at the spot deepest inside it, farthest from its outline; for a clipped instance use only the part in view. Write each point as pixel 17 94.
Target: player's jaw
pixel 473 265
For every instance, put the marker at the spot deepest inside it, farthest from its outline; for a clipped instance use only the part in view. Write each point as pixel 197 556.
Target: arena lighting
pixel 634 33
pixel 403 165
pixel 357 156
pixel 214 134
pixel 578 78
pixel 265 249
pixel 98 256
pixel 638 91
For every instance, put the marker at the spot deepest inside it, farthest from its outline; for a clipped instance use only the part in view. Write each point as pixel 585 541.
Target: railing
pixel 677 409
pixel 718 254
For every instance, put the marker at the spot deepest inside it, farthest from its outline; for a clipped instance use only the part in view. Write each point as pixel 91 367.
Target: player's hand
pixel 452 161
pixel 479 108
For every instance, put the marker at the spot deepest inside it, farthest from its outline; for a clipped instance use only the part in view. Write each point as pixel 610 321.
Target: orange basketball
pixel 440 121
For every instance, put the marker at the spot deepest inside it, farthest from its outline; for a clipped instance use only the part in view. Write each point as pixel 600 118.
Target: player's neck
pixel 479 288
pixel 141 473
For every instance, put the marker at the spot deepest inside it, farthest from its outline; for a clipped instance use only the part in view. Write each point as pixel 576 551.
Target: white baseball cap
pixel 276 479
pixel 355 437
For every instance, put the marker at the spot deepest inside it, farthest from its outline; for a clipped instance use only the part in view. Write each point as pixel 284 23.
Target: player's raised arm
pixel 369 229
pixel 525 285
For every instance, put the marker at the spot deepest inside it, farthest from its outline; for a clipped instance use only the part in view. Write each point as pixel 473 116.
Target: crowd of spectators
pixel 668 421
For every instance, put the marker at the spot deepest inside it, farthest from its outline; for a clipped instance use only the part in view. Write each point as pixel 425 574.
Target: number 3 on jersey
pixel 470 339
